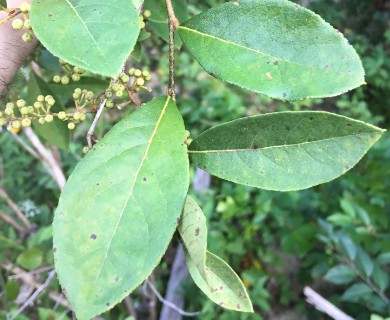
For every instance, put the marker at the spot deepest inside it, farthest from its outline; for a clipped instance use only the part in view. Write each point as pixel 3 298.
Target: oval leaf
pixel 120 208
pixel 284 151
pixel 223 285
pixel 87 34
pixel 274 47
pixel 193 233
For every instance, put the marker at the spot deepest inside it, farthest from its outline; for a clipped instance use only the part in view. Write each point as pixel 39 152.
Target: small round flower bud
pixel 75 77
pixel 125 78
pixel 40 98
pixel 71 125
pixel 62 62
pixel 85 149
pixel 25 7
pixel 17 24
pixel 24 111
pixel 138 73
pixel 77 90
pixel 76 96
pixel 30 109
pixel 9 111
pixel 16 124
pixel 187 134
pixel 41 120
pixel 57 79
pixel 77 115
pixel 82 117
pixel 51 102
pixel 119 94
pixel 61 115
pixel 116 87
pixel 109 104
pixel 108 94
pixel 26 122
pixel 65 80
pixel 47 98
pixel 89 96
pixel 21 103
pixel 140 82
pixel 145 73
pixel 2 122
pixel 131 71
pixel 147 14
pixel 148 77
pixel 10 105
pixel 37 105
pixel 27 37
pixel 48 118
pixel 27 24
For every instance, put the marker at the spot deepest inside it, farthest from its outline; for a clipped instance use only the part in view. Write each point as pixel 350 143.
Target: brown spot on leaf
pixel 238 307
pixel 221 288
pixel 284 95
pixel 255 147
pixel 197 231
pixel 276 63
pixel 93 236
pixel 269 75
pixel 64 291
pixel 221 303
pixel 116 279
pixel 54 249
pixel 145 179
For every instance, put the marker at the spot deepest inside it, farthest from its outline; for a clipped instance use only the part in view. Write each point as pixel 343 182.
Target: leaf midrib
pixel 133 184
pixel 89 32
pixel 276 147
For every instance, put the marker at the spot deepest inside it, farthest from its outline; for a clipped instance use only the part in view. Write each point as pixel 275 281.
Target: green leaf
pixel 381 278
pixel 356 292
pixel 12 289
pixel 223 285
pixel 283 151
pixel 3 4
pixel 340 274
pixel 384 258
pixel 348 246
pixel 274 47
pixel 364 262
pixel 55 132
pixel 210 273
pixel 193 233
pixel 30 259
pixel 87 34
pixel 120 207
pixel 340 219
pixel 6 243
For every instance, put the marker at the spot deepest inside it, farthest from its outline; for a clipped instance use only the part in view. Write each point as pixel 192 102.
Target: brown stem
pixel 15 208
pixel 173 22
pixel 13 223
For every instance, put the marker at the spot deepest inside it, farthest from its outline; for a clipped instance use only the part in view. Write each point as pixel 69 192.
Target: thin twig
pixel 130 306
pixel 15 208
pixel 173 22
pixel 324 305
pixel 33 272
pixel 34 295
pixel 13 15
pixel 7 218
pixel 94 122
pixel 25 146
pixel 47 158
pixel 170 304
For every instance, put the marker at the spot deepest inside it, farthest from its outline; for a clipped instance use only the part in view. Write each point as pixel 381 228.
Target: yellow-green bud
pixel 82 117
pixel 138 73
pixel 26 122
pixel 16 124
pixel 89 96
pixel 76 95
pixel 131 71
pixel 140 82
pixel 85 149
pixel 148 77
pixel 2 122
pixel 108 94
pixel 71 125
pixel 9 111
pixel 10 105
pixel 48 118
pixel 77 90
pixel 51 102
pixel 37 105
pixel 109 104
pixel 119 94
pixel 145 73
pixel 27 24
pixel 47 98
pixel 17 24
pixel 40 98
pixel 21 103
pixel 41 120
pixel 125 78
pixel 57 79
pixel 75 77
pixel 61 115
pixel 77 115
pixel 147 14
pixel 27 37
pixel 65 80
pixel 30 109
pixel 25 7
pixel 24 110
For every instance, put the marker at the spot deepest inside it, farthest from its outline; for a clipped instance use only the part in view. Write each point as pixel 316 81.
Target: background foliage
pixel 334 237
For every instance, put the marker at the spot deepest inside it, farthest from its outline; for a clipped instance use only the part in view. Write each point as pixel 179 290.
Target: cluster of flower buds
pixel 145 16
pixel 133 82
pixel 71 72
pixel 24 24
